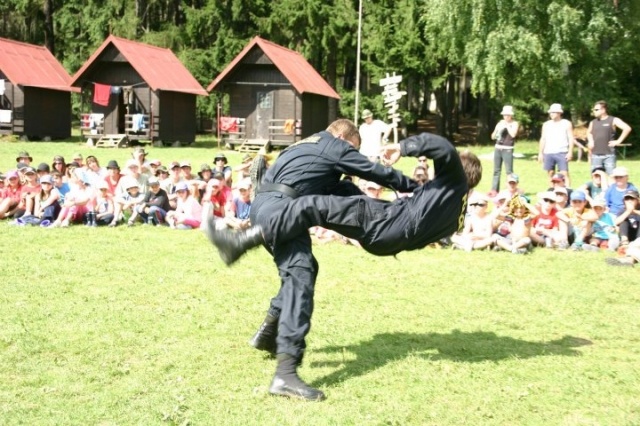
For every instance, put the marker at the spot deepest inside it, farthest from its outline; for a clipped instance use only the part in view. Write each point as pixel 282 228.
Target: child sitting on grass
pixel 519 217
pixel 478 227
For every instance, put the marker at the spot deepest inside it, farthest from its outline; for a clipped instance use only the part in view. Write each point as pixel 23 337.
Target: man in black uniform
pixel 435 210
pixel 311 166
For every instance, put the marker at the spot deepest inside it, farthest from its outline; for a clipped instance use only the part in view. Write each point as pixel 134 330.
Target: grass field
pixel 142 326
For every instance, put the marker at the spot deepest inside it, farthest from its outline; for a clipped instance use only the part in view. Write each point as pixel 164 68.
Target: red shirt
pixel 11 192
pixel 546 221
pixel 112 186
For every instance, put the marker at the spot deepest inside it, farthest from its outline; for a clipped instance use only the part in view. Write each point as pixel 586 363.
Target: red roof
pixel 32 66
pixel 302 76
pixel 160 68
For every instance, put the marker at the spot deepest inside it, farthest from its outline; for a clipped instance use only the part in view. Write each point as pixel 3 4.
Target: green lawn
pixel 147 326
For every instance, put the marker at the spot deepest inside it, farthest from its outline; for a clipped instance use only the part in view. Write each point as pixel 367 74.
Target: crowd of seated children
pixel 599 215
pixel 82 191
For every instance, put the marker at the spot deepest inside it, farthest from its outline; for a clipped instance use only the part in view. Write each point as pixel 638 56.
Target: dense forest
pixel 472 56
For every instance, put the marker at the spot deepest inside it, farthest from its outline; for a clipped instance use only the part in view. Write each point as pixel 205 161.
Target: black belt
pixel 278 187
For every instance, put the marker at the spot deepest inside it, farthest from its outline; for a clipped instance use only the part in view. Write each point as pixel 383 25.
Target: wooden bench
pixel 143 132
pixel 86 128
pixel 237 137
pixel 6 126
pixel 254 145
pixel 282 132
pixel 113 141
pixel 623 152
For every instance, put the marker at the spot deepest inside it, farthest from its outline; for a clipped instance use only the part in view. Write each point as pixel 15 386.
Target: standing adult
pixel 372 133
pixel 311 166
pixel 602 137
pixel 505 136
pixel 556 143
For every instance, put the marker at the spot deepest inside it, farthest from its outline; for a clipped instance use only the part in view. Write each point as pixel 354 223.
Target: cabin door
pixel 264 113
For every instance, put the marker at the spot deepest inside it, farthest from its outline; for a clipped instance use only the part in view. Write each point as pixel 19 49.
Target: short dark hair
pixel 603 104
pixel 472 168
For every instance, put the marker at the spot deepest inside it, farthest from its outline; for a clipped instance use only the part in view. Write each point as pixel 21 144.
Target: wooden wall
pixel 47 113
pixel 177 117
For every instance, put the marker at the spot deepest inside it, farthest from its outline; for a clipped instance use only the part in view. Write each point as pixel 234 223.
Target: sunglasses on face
pixel 478 205
pixel 546 200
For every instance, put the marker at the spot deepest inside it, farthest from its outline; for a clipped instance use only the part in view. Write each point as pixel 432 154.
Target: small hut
pixel 35 92
pixel 137 90
pixel 275 97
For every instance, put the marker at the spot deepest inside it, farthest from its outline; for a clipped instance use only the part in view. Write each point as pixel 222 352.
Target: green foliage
pixel 528 53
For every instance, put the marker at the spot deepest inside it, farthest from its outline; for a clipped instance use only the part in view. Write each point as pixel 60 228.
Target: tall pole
pixel 357 101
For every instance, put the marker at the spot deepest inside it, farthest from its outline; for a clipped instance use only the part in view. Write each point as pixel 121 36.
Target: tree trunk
pixel 452 107
pixel 49 41
pixel 483 132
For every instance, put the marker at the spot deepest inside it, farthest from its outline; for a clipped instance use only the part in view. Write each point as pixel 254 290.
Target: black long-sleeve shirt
pixel 316 164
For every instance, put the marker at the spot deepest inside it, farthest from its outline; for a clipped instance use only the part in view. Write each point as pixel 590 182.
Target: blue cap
pixel 578 196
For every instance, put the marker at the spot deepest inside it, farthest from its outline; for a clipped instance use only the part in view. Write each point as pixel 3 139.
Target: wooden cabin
pixel 275 97
pixel 141 91
pixel 35 92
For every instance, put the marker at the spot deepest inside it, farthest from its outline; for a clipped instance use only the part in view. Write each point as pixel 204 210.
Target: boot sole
pixel 295 395
pixel 210 231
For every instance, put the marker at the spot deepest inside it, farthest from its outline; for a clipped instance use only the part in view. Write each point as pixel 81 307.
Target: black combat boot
pixel 233 244
pixel 265 337
pixel 287 383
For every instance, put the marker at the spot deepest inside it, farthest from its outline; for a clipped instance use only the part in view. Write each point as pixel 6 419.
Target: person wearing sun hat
pixel 220 165
pixel 24 157
pixel 504 134
pixel 140 155
pixel 59 164
pixel 126 204
pixel 556 144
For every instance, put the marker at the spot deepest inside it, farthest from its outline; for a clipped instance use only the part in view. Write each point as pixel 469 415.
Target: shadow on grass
pixel 456 346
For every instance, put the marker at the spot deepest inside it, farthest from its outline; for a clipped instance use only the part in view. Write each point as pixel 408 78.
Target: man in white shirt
pixel 556 143
pixel 372 133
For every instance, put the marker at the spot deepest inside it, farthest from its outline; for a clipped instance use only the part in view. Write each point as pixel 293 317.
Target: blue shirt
pixel 63 189
pixel 604 226
pixel 615 198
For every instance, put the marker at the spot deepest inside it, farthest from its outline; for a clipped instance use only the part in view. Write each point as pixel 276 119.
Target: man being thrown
pixel 436 210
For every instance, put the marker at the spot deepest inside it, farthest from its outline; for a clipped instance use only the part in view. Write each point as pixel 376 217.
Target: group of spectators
pixel 604 213
pixel 81 191
pixel 595 216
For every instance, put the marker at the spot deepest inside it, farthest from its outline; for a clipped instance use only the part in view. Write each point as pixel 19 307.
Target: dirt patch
pixel 466 135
